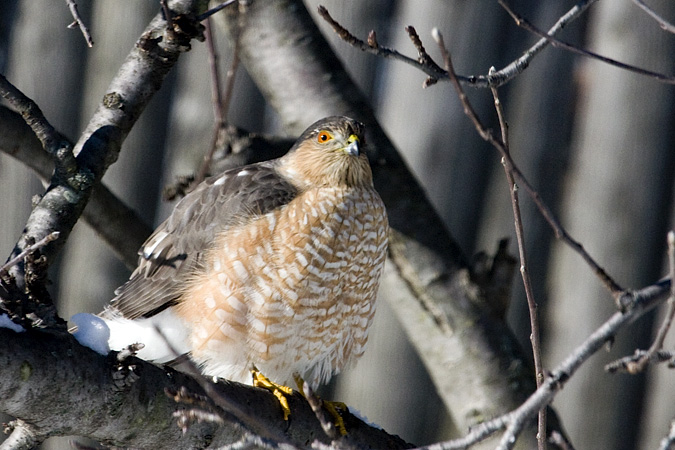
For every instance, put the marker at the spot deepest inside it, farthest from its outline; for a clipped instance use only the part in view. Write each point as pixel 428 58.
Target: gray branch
pixel 117 224
pixel 61 388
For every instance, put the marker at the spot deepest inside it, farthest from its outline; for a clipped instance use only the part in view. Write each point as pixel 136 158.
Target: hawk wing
pixel 176 248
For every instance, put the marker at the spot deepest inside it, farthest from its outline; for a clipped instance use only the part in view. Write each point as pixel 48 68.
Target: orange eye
pixel 324 136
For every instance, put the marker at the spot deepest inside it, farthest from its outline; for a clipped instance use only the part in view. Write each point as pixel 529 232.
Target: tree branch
pixel 74 390
pixel 513 423
pixel 580 51
pixel 79 23
pixel 664 24
pixel 117 224
pixel 139 78
pixel 612 286
pixel 436 73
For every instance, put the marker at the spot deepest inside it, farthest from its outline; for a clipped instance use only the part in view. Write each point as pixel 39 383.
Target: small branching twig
pixel 423 57
pixel 221 101
pixel 79 23
pixel 514 422
pixel 637 362
pixel 520 237
pixel 560 232
pixel 30 249
pixel 433 70
pixel 510 71
pixel 521 22
pixel 435 73
pixel 664 24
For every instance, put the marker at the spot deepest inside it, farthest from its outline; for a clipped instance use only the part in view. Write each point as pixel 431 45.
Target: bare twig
pixel 521 22
pixel 628 364
pixel 216 101
pixel 507 73
pixel 520 237
pixel 433 70
pixel 18 258
pixel 78 22
pixel 560 232
pixel 229 81
pixel 519 65
pixel 221 102
pixel 423 57
pixel 214 10
pixel 316 404
pixel 435 73
pixel 168 15
pixel 637 363
pixel 670 313
pixel 664 24
pixel 640 302
pixel 667 322
pixel 219 112
pixel 661 336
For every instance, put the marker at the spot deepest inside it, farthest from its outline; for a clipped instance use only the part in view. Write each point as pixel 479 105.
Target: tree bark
pixel 62 388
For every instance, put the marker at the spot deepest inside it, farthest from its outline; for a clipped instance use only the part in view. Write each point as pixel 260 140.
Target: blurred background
pixel 594 140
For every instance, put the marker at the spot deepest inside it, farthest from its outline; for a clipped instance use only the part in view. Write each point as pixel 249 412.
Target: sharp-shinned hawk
pixel 274 265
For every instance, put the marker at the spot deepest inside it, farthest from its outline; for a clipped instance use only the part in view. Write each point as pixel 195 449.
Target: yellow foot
pixel 280 391
pixel 331 407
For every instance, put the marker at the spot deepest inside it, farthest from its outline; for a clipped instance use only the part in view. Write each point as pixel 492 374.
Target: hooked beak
pixel 352 147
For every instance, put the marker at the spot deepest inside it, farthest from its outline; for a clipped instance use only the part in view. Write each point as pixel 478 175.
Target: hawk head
pixel 329 153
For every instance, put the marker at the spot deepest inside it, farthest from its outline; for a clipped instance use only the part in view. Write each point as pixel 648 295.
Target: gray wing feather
pixel 176 248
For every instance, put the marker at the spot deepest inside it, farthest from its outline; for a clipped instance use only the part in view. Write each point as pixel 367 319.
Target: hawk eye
pixel 324 136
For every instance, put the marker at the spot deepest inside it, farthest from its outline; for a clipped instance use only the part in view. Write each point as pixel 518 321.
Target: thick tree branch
pixel 139 78
pixel 62 388
pixel 117 224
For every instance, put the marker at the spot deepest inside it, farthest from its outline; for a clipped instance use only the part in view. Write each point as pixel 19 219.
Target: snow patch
pixel 92 332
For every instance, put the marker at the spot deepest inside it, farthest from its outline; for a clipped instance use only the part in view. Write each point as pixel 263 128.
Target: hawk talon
pixel 279 390
pixel 330 406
